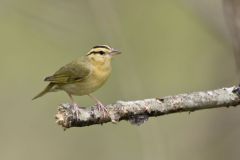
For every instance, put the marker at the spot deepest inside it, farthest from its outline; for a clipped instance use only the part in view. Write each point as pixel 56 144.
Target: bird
pixel 83 75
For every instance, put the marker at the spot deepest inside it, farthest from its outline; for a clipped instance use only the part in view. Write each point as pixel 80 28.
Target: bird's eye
pixel 101 52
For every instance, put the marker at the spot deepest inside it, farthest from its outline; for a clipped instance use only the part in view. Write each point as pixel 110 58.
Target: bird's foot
pixel 101 108
pixel 76 109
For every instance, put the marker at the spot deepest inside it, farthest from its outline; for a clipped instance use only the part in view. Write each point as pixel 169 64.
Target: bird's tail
pixel 46 90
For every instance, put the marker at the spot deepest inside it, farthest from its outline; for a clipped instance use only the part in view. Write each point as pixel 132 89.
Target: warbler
pixel 84 75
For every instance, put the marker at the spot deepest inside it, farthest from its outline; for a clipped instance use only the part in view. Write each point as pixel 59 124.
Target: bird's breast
pixel 95 80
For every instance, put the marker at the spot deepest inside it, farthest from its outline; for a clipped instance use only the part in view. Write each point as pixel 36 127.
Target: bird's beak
pixel 115 52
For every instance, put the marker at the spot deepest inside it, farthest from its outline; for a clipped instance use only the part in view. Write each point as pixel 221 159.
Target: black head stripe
pixel 102 46
pixel 93 52
pixel 96 52
pixel 99 49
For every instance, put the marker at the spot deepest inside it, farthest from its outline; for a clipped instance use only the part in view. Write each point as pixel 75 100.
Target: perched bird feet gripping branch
pixel 83 75
pixel 101 108
pixel 76 109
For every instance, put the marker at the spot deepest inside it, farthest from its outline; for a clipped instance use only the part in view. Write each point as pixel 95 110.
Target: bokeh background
pixel 169 47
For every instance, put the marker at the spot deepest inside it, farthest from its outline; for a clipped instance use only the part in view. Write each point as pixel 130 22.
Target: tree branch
pixel 138 111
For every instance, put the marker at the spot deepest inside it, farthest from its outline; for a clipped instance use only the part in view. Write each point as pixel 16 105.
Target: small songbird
pixel 83 75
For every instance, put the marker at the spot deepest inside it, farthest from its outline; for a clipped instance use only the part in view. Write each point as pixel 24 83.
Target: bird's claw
pixel 101 108
pixel 76 109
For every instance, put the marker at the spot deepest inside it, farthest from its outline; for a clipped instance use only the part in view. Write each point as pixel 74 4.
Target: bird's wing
pixel 70 73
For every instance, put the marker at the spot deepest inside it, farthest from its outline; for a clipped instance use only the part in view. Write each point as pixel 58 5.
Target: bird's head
pixel 102 54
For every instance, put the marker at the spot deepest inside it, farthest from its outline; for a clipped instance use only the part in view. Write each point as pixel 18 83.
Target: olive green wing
pixel 70 73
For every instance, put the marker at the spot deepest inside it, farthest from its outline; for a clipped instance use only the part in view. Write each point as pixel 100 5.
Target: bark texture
pixel 137 112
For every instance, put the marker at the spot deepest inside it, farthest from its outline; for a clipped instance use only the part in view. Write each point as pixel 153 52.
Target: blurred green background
pixel 169 47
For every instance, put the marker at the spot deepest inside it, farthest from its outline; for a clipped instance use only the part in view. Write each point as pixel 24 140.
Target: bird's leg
pixel 100 106
pixel 75 105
